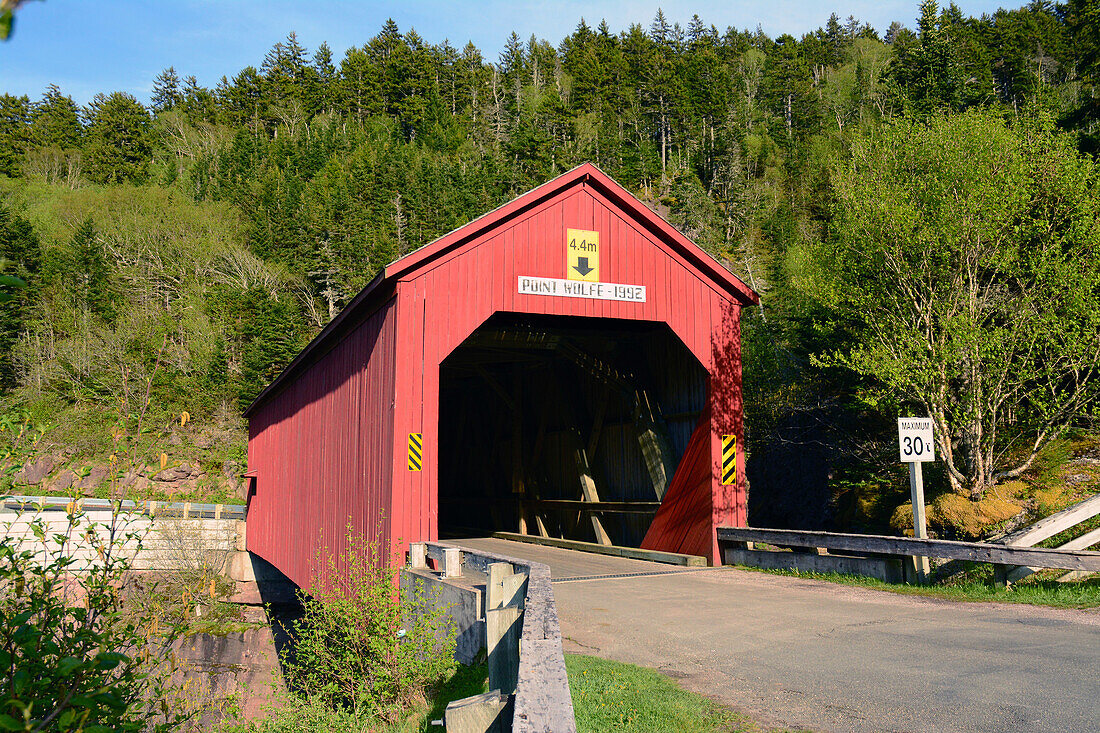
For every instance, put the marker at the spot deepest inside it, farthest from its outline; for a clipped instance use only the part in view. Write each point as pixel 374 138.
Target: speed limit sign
pixel 915 442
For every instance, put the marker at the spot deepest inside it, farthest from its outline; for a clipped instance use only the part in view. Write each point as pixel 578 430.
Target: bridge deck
pixel 569 564
pixel 812 654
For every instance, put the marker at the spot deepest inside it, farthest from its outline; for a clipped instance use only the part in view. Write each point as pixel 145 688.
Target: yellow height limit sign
pixel 582 255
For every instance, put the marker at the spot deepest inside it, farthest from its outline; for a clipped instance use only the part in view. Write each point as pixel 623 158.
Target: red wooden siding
pixel 320 449
pixel 682 524
pixel 328 441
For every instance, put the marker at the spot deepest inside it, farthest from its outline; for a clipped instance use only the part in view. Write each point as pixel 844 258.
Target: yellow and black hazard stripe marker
pixel 729 460
pixel 416 451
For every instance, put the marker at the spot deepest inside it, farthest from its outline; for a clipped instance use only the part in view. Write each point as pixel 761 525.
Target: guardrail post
pixel 478 714
pixel 452 562
pixel 504 591
pixel 418 555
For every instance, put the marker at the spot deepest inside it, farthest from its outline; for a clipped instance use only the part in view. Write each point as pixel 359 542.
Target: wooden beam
pixel 654 443
pixel 598 368
pixel 480 713
pixel 597 423
pixel 584 470
pixel 619 507
pixel 590 494
pixel 536 454
pixel 519 486
pixel 1055 523
pixel 882 545
pixel 507 399
pixel 541 526
pixel 1083 542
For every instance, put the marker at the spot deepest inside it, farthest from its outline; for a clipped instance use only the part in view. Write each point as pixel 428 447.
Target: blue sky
pixel 88 46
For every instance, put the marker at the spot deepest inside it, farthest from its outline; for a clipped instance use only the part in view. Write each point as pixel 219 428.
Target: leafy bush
pixel 356 649
pixel 307 715
pixel 72 658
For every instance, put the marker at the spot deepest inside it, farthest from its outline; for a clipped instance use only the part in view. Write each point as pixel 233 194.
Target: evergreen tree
pixel 1082 20
pixel 89 275
pixel 197 102
pixel 289 81
pixel 241 103
pixel 663 89
pixel 788 85
pixel 55 121
pixel 15 114
pixel 166 91
pixel 119 145
pixel 322 92
pixel 360 86
pixel 20 252
pixel 929 72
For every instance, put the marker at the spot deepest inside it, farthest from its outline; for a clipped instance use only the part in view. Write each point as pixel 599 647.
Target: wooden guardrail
pixel 521 622
pixel 1048 527
pixel 1002 555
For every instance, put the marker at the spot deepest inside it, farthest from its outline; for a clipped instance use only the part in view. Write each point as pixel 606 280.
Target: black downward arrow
pixel 582 266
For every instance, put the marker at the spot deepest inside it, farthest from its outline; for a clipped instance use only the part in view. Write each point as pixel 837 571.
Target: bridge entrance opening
pixel 563 426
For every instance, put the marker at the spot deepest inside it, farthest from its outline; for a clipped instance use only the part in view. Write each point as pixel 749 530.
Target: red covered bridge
pixel 568 365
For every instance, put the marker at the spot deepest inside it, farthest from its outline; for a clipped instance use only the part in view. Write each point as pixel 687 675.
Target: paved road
pixel 825 657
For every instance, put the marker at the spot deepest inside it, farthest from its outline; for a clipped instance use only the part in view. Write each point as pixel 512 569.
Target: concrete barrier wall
pixel 463 603
pixel 157 543
pixel 542 702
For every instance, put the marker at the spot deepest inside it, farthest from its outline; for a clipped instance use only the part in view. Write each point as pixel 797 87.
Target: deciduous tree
pixel 964 259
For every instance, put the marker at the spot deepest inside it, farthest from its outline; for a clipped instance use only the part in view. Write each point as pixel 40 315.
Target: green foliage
pixel 929 70
pixel 307 715
pixel 295 714
pixel 356 648
pixel 14 119
pixel 19 435
pixel 963 256
pixel 612 696
pixel 71 658
pixel 55 121
pixel 119 147
pixel 19 260
pixel 1082 19
pixel 269 336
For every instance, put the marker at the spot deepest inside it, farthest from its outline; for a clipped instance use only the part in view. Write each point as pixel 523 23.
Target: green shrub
pixel 307 715
pixel 351 648
pixel 72 657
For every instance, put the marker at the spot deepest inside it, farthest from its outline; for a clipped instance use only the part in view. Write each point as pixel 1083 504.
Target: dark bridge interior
pixel 563 426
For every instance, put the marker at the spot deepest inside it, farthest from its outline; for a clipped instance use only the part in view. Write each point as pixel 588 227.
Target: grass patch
pixel 612 696
pixel 975 585
pixel 466 681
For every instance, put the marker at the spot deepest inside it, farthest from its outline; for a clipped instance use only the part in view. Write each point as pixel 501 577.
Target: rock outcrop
pixel 35 471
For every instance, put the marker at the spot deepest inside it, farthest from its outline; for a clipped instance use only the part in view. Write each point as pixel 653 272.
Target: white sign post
pixel 916 445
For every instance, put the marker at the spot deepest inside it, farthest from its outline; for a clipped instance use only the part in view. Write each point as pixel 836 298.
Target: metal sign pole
pixel 920 530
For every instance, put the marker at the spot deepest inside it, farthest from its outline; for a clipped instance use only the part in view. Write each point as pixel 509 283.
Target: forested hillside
pixel 191 246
